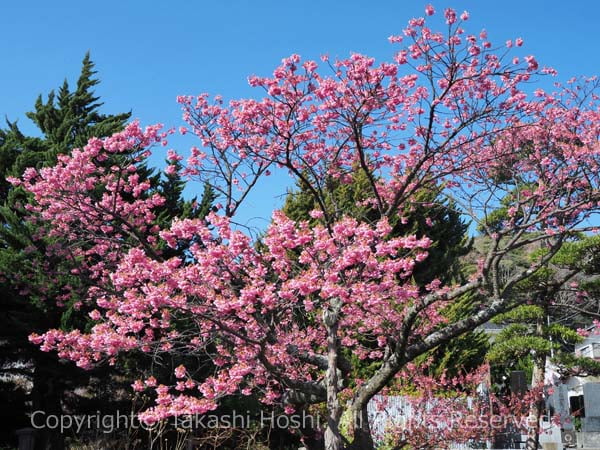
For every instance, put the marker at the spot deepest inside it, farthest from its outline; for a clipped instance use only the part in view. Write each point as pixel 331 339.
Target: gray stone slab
pixel 591 399
pixel 589 440
pixel 591 425
pixel 559 401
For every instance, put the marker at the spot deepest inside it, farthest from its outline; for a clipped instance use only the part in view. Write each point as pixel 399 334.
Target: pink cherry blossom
pixel 445 114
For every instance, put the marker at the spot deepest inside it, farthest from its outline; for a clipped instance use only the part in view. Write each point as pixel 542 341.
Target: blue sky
pixel 148 52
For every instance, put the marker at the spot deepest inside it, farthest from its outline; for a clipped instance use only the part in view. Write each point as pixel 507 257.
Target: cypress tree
pixel 33 283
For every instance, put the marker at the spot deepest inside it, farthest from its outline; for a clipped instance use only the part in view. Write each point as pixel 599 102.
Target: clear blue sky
pixel 148 52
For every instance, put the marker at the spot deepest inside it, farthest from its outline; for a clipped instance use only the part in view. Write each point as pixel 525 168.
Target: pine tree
pixel 536 333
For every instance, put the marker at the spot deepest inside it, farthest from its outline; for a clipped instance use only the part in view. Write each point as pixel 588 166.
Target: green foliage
pixel 507 349
pixel 528 339
pixel 583 252
pixel 534 332
pixel 523 313
pixel 464 352
pixel 579 365
pixel 171 188
pixel 66 121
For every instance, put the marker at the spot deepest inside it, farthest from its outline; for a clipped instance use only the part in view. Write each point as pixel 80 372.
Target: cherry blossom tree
pixel 450 114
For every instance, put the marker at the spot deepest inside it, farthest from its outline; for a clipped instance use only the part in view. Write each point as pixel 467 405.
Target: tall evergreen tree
pixel 33 281
pixel 29 302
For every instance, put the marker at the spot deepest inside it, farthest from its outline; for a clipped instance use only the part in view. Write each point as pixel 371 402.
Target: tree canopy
pixel 446 126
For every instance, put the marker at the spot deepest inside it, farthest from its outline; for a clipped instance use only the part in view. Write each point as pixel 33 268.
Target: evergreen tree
pixel 536 333
pixel 33 281
pixel 65 121
pixel 545 328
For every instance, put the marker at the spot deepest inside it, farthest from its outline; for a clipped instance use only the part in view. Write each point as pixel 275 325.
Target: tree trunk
pixel 537 379
pixel 533 434
pixel 313 442
pixel 333 437
pixel 362 432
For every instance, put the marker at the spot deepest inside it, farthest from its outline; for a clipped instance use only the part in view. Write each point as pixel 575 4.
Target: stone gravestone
pixel 518 382
pixel 559 403
pixel 510 436
pixel 26 438
pixel 568 438
pixel 591 403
